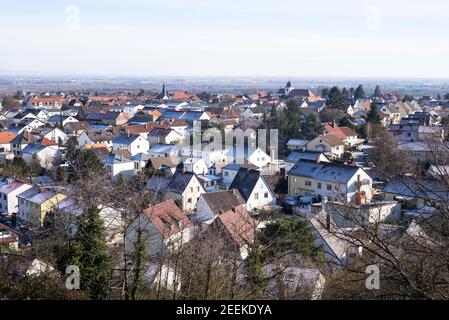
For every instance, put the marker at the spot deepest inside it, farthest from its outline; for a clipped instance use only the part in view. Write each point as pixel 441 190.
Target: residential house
pixel 329 180
pixel 46 103
pixel 48 155
pixel 164 136
pixel 58 120
pixel 117 165
pixel 212 204
pixel 54 134
pixel 196 165
pixel 8 196
pixel 76 128
pixel 345 134
pixel 237 229
pixel 164 228
pixel 254 188
pixel 296 156
pixel 95 137
pixel 328 144
pixel 21 141
pixel 35 203
pixel 5 140
pixel 297 145
pixel 184 187
pixel 135 144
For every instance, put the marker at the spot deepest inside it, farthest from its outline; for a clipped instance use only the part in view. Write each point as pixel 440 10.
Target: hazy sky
pixel 346 38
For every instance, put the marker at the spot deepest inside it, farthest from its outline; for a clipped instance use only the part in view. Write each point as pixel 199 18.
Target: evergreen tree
pixel 335 99
pixel 139 256
pixel 373 115
pixel 311 127
pixel 292 120
pixel 377 92
pixel 345 93
pixel 35 166
pixel 18 168
pixel 325 92
pixel 359 93
pixel 88 251
pixel 289 236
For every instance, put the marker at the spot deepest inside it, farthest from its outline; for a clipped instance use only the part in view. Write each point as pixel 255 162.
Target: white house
pixel 254 188
pixel 259 158
pixel 135 144
pixel 196 165
pixel 212 204
pixel 48 156
pixel 164 228
pixel 119 165
pixel 8 196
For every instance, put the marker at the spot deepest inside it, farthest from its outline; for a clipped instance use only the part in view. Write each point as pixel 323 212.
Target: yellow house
pixel 327 144
pixel 35 203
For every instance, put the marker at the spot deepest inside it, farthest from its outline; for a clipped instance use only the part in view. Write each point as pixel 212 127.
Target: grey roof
pixel 296 156
pixel 157 183
pixel 245 181
pixel 222 201
pixel 125 139
pixel 179 181
pixel 324 171
pixel 114 159
pixel 425 189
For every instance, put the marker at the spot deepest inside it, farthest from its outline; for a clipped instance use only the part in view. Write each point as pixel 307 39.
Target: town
pixel 310 190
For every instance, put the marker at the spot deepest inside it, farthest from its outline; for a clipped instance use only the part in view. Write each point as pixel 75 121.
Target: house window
pixel 319 185
pixel 136 166
pixel 308 183
pixel 191 189
pixel 266 195
pixel 226 174
pixel 329 187
pixel 256 196
pixel 189 200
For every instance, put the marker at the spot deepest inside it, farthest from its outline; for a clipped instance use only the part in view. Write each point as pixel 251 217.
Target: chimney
pixel 42 189
pixel 328 222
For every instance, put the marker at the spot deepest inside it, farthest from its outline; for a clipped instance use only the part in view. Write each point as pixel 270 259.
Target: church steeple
pixel 164 94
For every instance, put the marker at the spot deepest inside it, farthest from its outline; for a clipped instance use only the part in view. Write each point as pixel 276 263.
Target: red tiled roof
pixel 6 137
pixel 239 225
pixel 168 218
pixel 341 132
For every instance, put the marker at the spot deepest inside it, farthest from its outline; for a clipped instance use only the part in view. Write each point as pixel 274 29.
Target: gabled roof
pixel 179 181
pixel 222 201
pixel 126 139
pixel 24 138
pixel 239 225
pixel 245 181
pixel 168 219
pixel 331 140
pixel 331 172
pixel 7 136
pixel 341 132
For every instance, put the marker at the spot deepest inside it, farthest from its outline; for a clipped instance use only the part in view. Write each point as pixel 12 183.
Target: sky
pixel 245 38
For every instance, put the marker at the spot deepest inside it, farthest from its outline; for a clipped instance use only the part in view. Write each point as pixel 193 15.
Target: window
pixel 308 183
pixel 189 200
pixel 191 189
pixel 329 187
pixel 136 165
pixel 226 173
pixel 266 195
pixel 256 196
pixel 319 185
